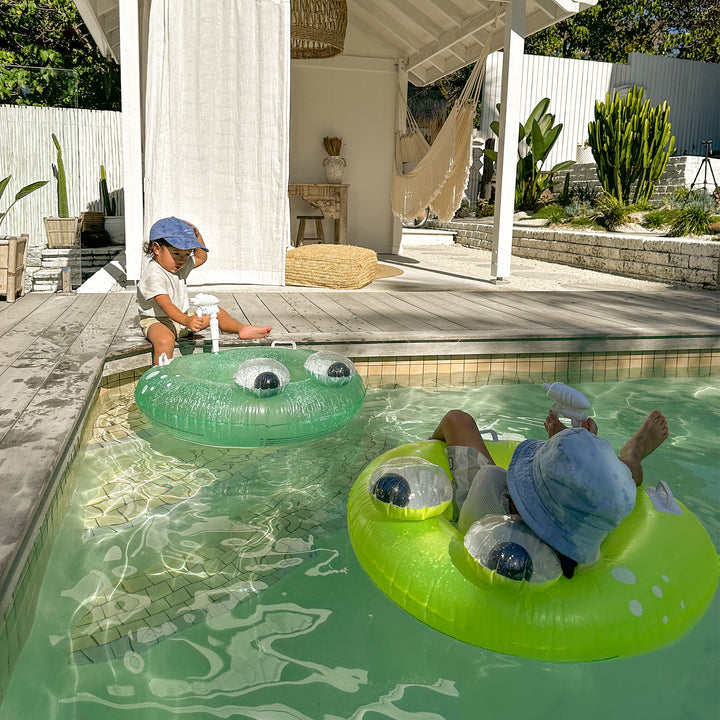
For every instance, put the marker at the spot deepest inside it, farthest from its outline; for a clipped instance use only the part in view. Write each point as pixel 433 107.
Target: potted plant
pixel 114 223
pixel 13 250
pixel 62 231
pixel 334 164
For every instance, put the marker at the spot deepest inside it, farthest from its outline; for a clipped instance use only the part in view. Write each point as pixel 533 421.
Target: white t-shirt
pixel 155 280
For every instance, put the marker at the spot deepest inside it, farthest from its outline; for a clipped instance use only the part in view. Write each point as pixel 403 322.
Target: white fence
pixel 88 138
pixel 692 90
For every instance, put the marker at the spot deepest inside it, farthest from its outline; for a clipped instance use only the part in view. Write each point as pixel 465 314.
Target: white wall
pixel 355 99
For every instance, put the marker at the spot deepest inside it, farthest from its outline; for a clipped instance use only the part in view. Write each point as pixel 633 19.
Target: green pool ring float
pixel 656 576
pixel 251 397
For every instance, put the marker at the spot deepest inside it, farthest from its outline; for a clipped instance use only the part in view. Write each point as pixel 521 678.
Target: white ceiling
pixel 436 37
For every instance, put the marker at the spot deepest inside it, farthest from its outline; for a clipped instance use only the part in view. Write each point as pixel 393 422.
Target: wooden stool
pixel 320 234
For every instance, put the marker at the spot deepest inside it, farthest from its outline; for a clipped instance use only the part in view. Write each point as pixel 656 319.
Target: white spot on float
pixel 656 591
pixel 623 575
pixel 682 604
pixel 144 390
pixel 636 608
pixel 665 619
pixel 665 578
pixel 152 374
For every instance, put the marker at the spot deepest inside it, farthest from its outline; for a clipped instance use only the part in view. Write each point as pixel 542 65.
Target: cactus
pixel 109 203
pixel 631 143
pixel 59 173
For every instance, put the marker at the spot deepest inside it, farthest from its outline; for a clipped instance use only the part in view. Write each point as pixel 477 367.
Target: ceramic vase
pixel 334 168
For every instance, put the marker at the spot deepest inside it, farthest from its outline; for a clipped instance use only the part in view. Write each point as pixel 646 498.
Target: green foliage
pixel 536 138
pixel 23 192
pixel 553 213
pixel 698 198
pixel 614 212
pixel 47 57
pixel 109 203
pixel 613 28
pixel 59 173
pixel 659 218
pixel 631 143
pixel 690 220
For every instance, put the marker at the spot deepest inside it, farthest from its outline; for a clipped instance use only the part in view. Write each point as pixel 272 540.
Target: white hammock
pixel 439 179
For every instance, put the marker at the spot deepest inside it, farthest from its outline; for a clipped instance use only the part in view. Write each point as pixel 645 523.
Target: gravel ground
pixel 525 274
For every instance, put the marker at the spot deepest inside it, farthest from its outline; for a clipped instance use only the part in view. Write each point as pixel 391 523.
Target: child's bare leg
pixel 162 339
pixel 649 436
pixel 459 428
pixel 227 323
pixel 553 425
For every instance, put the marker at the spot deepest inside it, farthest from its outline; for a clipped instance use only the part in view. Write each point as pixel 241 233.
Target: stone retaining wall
pixel 692 263
pixel 679 172
pixel 82 262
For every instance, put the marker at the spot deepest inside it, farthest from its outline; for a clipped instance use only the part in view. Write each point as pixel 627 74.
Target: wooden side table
pixel 330 199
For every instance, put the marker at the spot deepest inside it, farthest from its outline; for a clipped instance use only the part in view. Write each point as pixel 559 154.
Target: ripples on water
pixel 214 583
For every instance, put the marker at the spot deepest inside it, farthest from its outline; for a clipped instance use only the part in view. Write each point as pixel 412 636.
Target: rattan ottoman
pixel 330 266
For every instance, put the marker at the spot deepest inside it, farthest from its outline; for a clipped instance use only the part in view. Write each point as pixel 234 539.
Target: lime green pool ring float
pixel 251 397
pixel 655 577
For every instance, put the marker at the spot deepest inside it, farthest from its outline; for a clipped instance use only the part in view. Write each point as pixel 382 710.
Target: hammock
pixel 439 179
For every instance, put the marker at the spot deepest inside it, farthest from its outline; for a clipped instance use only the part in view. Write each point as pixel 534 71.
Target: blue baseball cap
pixel 571 490
pixel 176 232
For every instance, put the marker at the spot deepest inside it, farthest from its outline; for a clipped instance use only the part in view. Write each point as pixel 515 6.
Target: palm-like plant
pixel 23 192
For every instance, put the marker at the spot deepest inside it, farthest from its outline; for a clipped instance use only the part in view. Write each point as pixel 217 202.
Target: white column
pixel 508 149
pixel 131 136
pixel 400 126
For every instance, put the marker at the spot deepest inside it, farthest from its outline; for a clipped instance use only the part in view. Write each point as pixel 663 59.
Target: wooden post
pixel 12 269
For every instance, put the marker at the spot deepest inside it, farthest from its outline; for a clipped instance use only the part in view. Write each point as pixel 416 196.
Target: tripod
pixel 705 164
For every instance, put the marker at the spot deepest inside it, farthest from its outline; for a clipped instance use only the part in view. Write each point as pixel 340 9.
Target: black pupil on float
pixel 393 489
pixel 267 381
pixel 338 369
pixel 511 560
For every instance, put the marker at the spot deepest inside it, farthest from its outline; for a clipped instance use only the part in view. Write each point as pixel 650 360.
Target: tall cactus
pixel 59 172
pixel 109 203
pixel 631 143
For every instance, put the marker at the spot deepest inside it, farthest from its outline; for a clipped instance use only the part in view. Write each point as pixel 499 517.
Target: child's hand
pixel 196 323
pixel 253 332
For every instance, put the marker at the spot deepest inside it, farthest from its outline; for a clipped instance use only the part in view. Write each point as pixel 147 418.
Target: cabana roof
pixel 436 37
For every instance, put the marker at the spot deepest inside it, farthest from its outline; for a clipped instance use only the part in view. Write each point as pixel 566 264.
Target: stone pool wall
pixel 688 262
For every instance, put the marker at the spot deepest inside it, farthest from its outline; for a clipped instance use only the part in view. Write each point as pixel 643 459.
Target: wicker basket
pixel 317 28
pixel 62 232
pixel 330 266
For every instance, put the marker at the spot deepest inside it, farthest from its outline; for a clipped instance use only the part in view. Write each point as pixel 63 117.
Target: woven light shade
pixel 330 266
pixel 317 28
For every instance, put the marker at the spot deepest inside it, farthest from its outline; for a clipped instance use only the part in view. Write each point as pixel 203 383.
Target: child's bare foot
pixel 553 425
pixel 649 436
pixel 253 332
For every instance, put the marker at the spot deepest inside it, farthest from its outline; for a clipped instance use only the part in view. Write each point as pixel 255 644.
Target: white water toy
pixel 568 402
pixel 209 305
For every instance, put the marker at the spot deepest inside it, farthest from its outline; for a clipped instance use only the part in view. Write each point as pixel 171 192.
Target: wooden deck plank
pixel 350 320
pixel 436 314
pixel 319 318
pixel 256 312
pixel 14 313
pixel 293 320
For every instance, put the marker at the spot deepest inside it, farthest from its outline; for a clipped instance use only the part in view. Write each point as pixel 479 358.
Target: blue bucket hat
pixel 572 490
pixel 176 232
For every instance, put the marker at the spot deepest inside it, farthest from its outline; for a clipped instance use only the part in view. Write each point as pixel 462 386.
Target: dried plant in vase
pixel 333 145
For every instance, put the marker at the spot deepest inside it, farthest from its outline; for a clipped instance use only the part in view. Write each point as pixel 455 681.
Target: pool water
pixel 208 583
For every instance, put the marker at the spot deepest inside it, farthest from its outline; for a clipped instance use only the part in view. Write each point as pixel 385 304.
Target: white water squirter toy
pixel 209 305
pixel 569 403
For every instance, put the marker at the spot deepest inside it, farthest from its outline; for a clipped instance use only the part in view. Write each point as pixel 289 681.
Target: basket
pixel 330 266
pixel 317 28
pixel 62 232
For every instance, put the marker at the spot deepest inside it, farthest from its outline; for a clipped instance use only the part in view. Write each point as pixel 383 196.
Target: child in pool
pixel 176 247
pixel 570 490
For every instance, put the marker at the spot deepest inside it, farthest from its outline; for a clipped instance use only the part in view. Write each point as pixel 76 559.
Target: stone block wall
pixel 82 262
pixel 691 263
pixel 679 172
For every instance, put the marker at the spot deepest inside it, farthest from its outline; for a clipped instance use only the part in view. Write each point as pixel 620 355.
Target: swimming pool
pixel 211 583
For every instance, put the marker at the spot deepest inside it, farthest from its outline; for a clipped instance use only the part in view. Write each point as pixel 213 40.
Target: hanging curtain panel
pixel 217 131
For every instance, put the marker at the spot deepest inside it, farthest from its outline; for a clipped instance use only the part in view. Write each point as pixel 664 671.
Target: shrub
pixel 690 220
pixel 614 212
pixel 659 218
pixel 553 213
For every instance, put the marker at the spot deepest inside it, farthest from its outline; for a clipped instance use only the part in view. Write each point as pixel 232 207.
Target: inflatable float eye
pixel 262 377
pixel 330 368
pixel 410 488
pixel 507 546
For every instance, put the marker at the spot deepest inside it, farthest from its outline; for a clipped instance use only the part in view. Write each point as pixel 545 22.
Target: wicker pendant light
pixel 317 28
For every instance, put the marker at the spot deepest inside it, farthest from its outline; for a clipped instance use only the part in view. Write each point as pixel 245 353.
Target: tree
pixel 688 29
pixel 47 57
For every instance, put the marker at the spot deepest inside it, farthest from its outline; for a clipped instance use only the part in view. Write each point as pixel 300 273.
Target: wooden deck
pixel 54 348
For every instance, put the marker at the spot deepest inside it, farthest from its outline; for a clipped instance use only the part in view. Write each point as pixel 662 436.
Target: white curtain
pixel 217 131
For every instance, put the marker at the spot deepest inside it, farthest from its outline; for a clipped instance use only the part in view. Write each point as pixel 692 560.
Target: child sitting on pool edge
pixel 176 247
pixel 570 490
